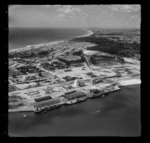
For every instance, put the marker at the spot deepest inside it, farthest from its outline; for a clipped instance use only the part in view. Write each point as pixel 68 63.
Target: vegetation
pixel 105 44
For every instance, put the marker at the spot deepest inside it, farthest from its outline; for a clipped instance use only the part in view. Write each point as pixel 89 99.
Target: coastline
pixel 36 46
pixel 121 83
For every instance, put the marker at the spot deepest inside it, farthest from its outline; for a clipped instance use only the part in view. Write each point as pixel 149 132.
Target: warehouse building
pixel 74 95
pixel 47 103
pixel 42 98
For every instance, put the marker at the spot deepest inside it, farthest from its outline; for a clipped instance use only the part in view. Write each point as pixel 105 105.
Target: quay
pixel 71 97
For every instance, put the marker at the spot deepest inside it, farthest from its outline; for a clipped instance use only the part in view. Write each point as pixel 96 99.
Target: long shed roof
pixel 47 102
pixel 42 98
pixel 74 95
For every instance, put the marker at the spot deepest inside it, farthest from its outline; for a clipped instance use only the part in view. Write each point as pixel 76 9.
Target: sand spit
pixel 89 32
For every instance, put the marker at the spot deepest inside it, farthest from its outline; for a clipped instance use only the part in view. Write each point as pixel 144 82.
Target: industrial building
pixel 70 59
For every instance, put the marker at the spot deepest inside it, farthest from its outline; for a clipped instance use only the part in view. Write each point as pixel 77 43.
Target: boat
pixel 24 115
pixel 55 106
pixel 38 110
pixel 97 111
pixel 81 99
pixel 103 95
pixel 71 101
pixel 100 94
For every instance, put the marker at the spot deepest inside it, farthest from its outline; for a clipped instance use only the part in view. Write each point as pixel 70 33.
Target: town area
pixel 44 77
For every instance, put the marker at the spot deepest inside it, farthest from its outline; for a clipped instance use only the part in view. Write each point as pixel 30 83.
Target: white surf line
pixel 97 111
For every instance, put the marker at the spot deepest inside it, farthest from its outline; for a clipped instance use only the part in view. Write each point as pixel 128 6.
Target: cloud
pixel 61 15
pixel 125 8
pixel 69 11
pixel 47 5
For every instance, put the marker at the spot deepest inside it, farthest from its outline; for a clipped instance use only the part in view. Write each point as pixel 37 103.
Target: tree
pixel 40 74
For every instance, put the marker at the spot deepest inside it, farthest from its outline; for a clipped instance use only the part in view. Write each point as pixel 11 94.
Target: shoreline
pixel 122 83
pixel 36 46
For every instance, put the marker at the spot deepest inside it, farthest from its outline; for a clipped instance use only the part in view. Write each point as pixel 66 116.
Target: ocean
pixel 117 114
pixel 21 37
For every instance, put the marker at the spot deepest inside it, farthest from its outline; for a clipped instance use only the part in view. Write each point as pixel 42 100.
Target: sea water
pixel 21 37
pixel 118 115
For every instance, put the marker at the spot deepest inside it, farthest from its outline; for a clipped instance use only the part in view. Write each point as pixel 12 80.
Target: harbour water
pixel 117 114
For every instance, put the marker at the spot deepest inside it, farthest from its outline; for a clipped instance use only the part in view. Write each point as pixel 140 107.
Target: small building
pixel 94 91
pixel 26 85
pixel 22 86
pixel 46 74
pixel 97 80
pixel 79 83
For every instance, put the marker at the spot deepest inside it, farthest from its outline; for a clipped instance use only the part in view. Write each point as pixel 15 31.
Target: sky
pixel 70 16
